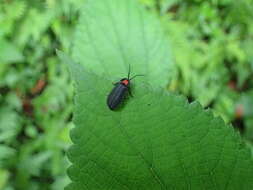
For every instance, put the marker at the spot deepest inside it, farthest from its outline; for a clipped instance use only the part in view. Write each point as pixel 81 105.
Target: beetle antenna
pixel 128 72
pixel 136 76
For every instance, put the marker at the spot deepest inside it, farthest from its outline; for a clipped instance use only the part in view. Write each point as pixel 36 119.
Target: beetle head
pixel 125 81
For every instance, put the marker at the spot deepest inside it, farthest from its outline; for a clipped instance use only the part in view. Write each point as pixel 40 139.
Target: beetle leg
pixel 129 92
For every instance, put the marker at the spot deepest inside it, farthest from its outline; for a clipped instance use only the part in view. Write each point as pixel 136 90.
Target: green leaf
pixel 10 124
pixel 156 141
pixel 113 34
pixel 6 154
pixel 9 53
pixel 4 175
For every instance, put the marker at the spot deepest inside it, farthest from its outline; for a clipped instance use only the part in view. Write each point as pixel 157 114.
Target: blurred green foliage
pixel 212 47
pixel 35 93
pixel 212 41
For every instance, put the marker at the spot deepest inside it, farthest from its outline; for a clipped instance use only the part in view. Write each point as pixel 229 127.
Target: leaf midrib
pixel 148 165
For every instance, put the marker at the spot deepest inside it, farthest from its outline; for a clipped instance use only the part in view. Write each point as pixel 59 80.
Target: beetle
pixel 118 93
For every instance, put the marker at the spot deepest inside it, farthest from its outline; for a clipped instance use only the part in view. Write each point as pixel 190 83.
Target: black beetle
pixel 119 91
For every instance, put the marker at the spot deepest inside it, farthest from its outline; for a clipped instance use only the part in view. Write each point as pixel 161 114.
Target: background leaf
pixel 9 53
pixel 153 143
pixel 112 35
